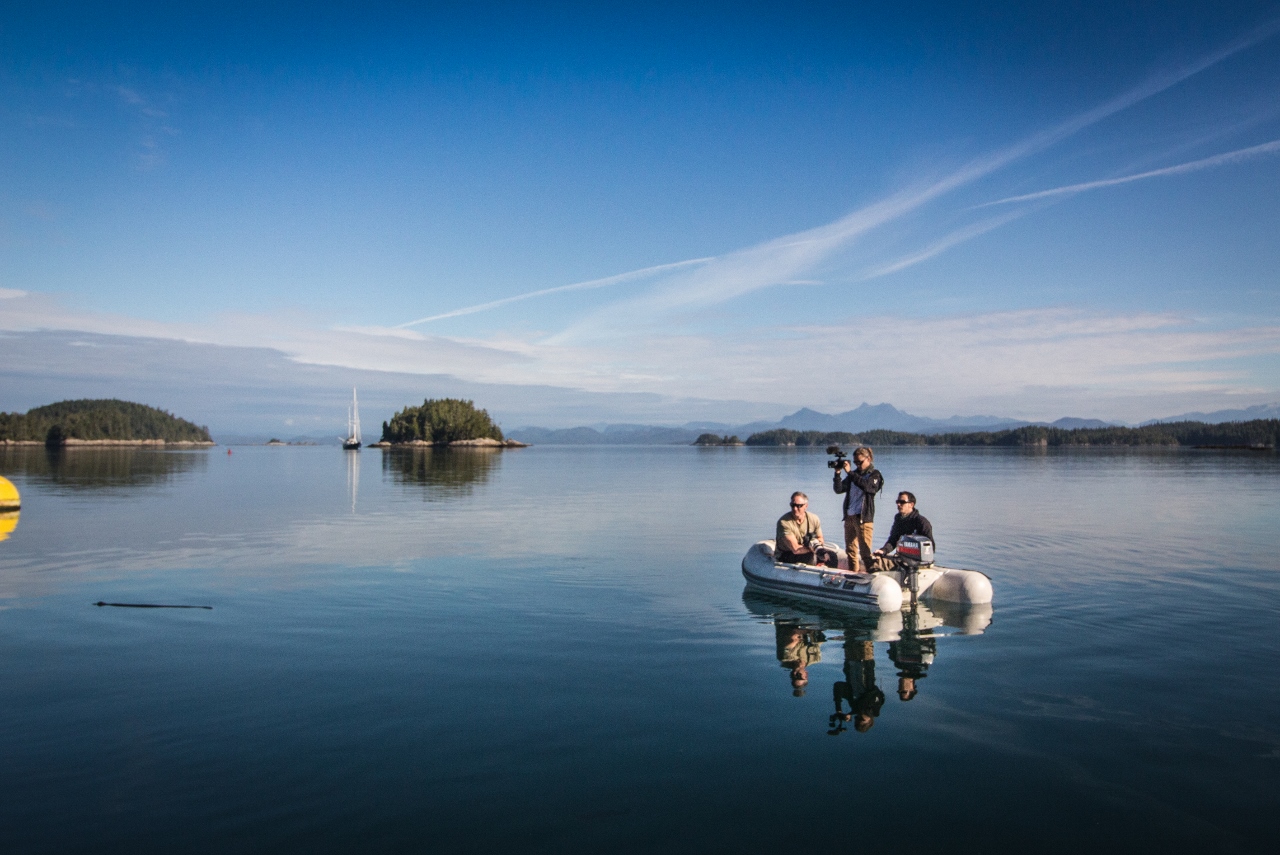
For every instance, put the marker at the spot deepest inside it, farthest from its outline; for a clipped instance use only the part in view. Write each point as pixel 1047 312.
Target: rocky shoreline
pixel 71 442
pixel 484 442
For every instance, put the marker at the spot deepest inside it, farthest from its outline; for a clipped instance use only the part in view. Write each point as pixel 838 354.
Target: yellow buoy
pixel 9 498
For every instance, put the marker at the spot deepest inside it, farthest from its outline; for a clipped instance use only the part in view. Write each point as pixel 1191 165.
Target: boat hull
pixel 875 592
pixel 883 592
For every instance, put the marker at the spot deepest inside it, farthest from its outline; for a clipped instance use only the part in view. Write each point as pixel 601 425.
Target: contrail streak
pixel 790 257
pixel 787 258
pixel 940 246
pixel 576 286
pixel 1180 169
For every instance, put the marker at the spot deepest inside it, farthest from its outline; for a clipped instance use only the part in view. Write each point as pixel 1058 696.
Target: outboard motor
pixel 914 551
pixel 917 548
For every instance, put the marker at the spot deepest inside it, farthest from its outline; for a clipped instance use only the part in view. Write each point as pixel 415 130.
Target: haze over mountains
pixel 862 418
pixel 253 394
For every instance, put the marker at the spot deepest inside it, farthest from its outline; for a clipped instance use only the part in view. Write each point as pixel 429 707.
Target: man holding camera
pixel 859 482
pixel 799 535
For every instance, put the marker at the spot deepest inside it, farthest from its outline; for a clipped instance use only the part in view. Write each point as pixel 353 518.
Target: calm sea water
pixel 551 650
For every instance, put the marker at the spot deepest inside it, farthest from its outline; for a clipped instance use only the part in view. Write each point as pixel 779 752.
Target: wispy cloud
pixel 793 256
pixel 1031 362
pixel 1229 157
pixel 941 245
pixel 629 276
pixel 790 258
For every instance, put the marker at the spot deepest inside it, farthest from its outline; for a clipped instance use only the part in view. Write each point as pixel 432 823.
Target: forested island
pixel 444 421
pixel 1257 434
pixel 99 422
pixel 714 439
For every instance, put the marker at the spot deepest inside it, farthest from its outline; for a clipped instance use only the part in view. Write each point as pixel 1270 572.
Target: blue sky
pixel 771 207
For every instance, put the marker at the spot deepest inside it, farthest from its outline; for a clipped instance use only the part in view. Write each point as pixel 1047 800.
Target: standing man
pixel 799 533
pixel 860 483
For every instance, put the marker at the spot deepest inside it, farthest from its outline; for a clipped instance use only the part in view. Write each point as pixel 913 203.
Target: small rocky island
pixel 100 422
pixel 443 422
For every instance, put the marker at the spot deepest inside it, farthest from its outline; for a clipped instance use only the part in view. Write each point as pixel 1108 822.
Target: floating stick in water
pixel 148 606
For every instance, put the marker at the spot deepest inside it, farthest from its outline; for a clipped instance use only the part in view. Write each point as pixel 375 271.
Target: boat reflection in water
pixel 911 635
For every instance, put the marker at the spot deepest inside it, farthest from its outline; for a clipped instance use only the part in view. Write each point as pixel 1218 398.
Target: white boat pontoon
pixel 888 591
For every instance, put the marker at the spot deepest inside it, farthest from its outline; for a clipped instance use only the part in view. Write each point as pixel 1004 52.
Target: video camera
pixel 840 456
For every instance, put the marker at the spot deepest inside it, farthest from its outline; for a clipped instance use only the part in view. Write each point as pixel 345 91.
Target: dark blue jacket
pixel 869 482
pixel 904 524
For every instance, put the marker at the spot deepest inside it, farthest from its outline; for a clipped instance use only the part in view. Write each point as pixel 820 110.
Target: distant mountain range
pixel 1248 414
pixel 862 418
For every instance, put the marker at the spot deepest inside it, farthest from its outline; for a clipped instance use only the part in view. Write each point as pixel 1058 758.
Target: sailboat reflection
pixel 353 479
pixel 911 634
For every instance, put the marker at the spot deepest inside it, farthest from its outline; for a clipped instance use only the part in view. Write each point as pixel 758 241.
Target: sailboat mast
pixel 355 415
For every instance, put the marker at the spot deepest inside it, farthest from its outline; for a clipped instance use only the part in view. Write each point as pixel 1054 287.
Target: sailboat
pixel 352 442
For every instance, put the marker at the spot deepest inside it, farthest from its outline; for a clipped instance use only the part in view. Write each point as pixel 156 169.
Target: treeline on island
pixel 1260 433
pixel 97 420
pixel 440 421
pixel 715 439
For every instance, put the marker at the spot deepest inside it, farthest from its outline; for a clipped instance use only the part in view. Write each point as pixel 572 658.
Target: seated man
pixel 799 535
pixel 906 521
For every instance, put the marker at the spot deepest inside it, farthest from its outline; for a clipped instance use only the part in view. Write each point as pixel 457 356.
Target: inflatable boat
pixel 884 592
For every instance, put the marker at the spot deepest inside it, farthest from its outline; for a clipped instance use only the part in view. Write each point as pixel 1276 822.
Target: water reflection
pixel 912 640
pixel 858 688
pixel 448 470
pixel 912 654
pixel 8 522
pixel 101 468
pixel 798 648
pixel 353 477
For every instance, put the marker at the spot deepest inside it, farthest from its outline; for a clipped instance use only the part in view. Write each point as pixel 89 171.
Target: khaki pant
pixel 883 563
pixel 857 544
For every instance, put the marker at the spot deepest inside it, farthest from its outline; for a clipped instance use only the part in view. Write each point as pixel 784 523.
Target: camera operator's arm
pixel 840 479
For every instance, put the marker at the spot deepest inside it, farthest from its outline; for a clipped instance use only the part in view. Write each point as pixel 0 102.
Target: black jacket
pixel 912 523
pixel 869 482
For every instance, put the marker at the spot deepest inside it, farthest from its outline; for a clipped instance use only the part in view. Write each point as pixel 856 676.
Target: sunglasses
pixel 798 504
pixel 903 502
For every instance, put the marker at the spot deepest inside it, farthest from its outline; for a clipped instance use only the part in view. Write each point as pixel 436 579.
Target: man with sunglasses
pixel 907 521
pixel 799 535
